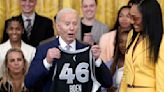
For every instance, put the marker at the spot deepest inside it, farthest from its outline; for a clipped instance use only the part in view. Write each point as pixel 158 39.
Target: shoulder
pixel 43 48
pixel 53 42
pixel 47 40
pixel 3 50
pixel 101 24
pixel 4 45
pixel 110 34
pixel 113 32
pixel 42 18
pixel 80 45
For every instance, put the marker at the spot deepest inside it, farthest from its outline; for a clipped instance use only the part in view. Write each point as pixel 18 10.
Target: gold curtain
pixel 2 16
pixel 106 11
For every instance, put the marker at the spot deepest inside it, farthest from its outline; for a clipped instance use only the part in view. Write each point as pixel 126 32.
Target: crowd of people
pixel 85 55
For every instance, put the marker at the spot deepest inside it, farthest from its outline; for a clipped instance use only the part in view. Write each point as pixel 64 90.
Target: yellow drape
pixel 2 16
pixel 106 11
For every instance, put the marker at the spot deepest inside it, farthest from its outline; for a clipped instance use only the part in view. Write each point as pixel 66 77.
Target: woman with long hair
pixel 118 62
pixel 15 67
pixel 108 40
pixel 15 31
pixel 144 58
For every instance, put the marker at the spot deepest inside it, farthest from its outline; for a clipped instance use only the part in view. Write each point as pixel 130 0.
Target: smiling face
pixel 15 63
pixel 28 6
pixel 89 9
pixel 67 26
pixel 124 18
pixel 136 18
pixel 15 31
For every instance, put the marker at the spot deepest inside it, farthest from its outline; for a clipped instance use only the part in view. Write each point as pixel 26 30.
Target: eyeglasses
pixel 135 18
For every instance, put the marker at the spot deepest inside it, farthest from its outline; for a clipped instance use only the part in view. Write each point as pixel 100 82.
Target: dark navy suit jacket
pixel 39 78
pixel 42 29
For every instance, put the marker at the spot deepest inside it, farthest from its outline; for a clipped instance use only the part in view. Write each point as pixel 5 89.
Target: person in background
pixel 117 64
pixel 15 31
pixel 14 72
pixel 91 29
pixel 41 71
pixel 144 58
pixel 37 28
pixel 108 40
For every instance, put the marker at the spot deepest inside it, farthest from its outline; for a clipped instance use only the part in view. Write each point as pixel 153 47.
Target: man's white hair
pixel 65 11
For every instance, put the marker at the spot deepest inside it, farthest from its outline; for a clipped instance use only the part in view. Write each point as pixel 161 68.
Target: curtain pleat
pixel 2 16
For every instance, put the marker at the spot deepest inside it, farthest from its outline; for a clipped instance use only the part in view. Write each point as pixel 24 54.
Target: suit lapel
pixel 129 57
pixel 140 49
pixel 24 36
pixel 35 25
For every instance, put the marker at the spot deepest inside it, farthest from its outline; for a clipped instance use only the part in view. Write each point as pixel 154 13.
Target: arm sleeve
pixel 103 75
pixel 107 48
pixel 37 70
pixel 46 64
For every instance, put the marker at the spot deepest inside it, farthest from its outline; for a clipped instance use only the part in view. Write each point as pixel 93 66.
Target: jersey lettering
pixel 75 88
pixel 81 73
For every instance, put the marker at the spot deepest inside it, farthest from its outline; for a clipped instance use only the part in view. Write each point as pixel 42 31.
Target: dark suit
pixel 41 30
pixel 38 77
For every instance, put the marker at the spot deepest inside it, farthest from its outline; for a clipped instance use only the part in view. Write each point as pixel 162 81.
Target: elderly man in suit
pixel 48 58
pixel 37 28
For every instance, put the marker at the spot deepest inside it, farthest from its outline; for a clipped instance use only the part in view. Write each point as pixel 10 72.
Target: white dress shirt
pixel 32 17
pixel 63 44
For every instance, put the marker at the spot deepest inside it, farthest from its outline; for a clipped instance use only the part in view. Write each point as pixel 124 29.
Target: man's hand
pixel 88 39
pixel 53 53
pixel 96 51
